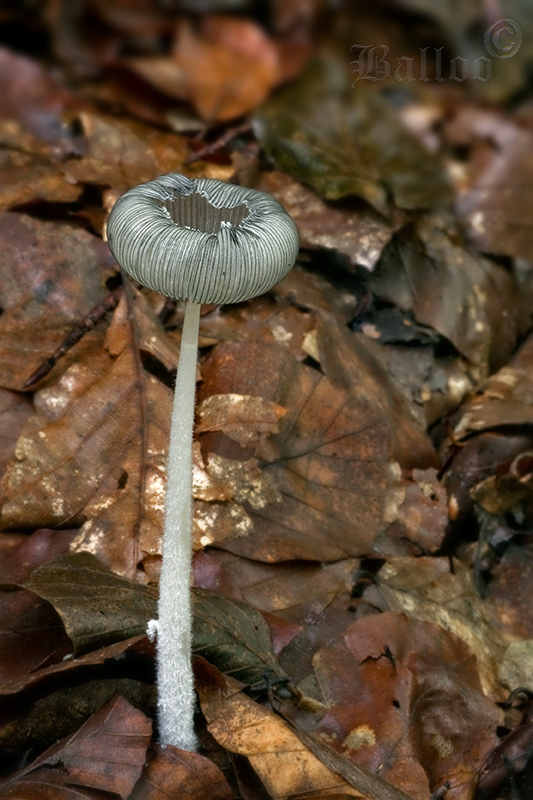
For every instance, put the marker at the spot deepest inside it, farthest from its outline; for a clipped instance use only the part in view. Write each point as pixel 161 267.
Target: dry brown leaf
pixel 15 410
pixel 107 754
pixel 229 66
pixel 122 153
pixel 358 232
pixel 422 518
pixel 498 203
pixel 25 178
pixel 95 452
pixel 96 658
pixel 52 275
pixel 170 772
pixel 352 361
pixel 244 418
pixel 266 319
pixel 31 635
pixel 506 398
pixel 284 765
pixel 324 480
pixel 404 699
pixel 425 589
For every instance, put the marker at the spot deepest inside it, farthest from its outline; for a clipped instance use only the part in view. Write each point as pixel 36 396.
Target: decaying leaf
pixel 31 635
pixel 425 589
pixel 403 698
pixel 107 754
pixel 352 361
pixel 342 143
pixel 42 290
pixel 170 772
pixel 241 417
pixel 234 636
pixel 97 607
pixel 78 463
pixel 359 233
pixel 61 712
pixel 328 463
pixel 284 765
pixel 471 301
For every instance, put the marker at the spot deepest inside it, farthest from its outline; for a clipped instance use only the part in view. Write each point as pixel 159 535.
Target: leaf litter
pixel 362 464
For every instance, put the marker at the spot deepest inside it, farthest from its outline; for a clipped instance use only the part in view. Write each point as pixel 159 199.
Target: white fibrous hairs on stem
pixel 175 683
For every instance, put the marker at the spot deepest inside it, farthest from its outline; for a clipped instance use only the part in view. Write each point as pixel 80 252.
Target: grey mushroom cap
pixel 202 240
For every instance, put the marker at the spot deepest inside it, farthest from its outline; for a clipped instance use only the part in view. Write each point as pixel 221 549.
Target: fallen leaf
pixel 471 301
pixel 60 713
pixel 234 636
pixel 387 675
pixel 97 607
pixel 32 551
pixel 15 410
pixel 31 635
pixel 425 589
pixel 95 452
pixel 170 772
pixel 354 363
pixel 26 178
pixel 229 66
pixel 41 291
pixel 96 658
pixel 328 464
pixel 359 233
pixel 284 765
pixel 244 418
pixel 421 521
pixel 121 153
pixel 107 753
pixel 508 592
pixel 340 143
pixel 498 204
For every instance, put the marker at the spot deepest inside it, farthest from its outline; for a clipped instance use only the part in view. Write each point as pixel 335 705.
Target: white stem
pixel 175 684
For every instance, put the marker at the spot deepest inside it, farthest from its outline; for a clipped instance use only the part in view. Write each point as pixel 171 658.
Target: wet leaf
pixel 340 143
pixel 107 753
pixel 324 478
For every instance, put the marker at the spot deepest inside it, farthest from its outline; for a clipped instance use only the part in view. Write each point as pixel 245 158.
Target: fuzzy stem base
pixel 175 685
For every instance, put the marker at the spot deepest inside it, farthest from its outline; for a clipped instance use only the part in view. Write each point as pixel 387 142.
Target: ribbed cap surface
pixel 202 240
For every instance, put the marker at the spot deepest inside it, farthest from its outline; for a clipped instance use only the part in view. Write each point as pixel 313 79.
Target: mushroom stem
pixel 175 683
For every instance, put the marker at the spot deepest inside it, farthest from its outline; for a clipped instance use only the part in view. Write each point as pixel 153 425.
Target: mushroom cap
pixel 202 240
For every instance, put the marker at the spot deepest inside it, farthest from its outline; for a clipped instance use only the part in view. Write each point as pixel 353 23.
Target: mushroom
pixel 202 241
